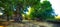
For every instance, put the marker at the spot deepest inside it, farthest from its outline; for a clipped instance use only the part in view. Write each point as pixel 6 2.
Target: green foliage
pixel 44 11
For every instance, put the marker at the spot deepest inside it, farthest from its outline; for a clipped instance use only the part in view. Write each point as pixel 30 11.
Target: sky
pixel 56 6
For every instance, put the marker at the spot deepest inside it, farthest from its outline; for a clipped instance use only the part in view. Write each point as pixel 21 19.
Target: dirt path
pixel 31 24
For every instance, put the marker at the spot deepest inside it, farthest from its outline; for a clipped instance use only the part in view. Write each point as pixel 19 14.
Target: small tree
pixel 42 11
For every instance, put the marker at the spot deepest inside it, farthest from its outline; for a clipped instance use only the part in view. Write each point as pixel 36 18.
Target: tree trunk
pixel 18 11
